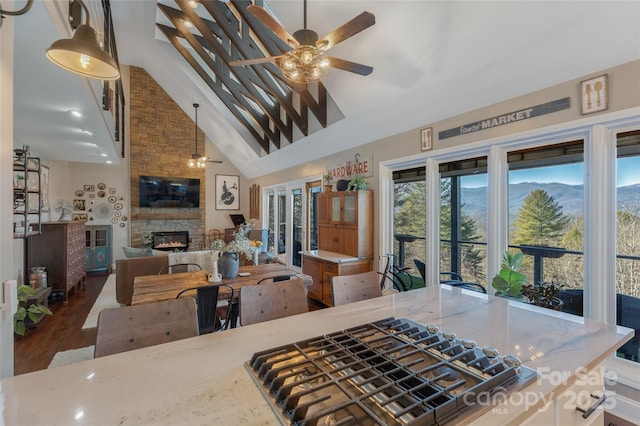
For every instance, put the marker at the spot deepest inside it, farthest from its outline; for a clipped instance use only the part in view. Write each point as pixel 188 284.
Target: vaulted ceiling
pixel 431 60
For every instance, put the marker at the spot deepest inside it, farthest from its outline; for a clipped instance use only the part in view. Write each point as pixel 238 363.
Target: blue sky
pixel 628 173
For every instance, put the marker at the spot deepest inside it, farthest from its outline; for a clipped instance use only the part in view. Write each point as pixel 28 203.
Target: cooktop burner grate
pixel 390 372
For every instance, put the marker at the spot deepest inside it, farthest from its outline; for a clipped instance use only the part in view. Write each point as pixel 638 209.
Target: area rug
pixel 71 356
pixel 106 299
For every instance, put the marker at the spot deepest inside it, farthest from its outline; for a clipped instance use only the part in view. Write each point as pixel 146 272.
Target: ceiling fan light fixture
pixel 82 53
pixel 304 64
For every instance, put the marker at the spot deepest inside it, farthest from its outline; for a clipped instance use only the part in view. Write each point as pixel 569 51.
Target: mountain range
pixel 570 197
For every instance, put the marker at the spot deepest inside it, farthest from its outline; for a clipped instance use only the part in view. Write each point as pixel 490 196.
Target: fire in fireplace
pixel 171 240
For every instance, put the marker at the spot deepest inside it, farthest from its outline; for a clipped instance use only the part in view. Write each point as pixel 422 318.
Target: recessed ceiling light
pixel 75 113
pixel 108 162
pixel 187 24
pixel 103 155
pixel 87 132
pixel 193 4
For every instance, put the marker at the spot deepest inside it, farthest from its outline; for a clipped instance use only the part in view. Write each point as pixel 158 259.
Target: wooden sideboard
pixel 61 249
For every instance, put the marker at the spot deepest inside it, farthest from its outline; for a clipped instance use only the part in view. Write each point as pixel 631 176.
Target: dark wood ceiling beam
pixel 266 105
pixel 240 90
pixel 227 99
pixel 246 46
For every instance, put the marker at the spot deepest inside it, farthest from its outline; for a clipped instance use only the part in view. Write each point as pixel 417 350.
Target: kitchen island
pixel 203 380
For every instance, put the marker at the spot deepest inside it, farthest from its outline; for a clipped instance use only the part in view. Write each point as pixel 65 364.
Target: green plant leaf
pixel 20 314
pixel 19 328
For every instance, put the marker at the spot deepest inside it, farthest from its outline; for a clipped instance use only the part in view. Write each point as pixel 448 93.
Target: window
pixel 409 217
pixel 546 217
pixel 298 235
pixel 628 240
pixel 463 218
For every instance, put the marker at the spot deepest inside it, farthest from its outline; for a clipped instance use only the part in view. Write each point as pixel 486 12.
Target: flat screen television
pixel 163 192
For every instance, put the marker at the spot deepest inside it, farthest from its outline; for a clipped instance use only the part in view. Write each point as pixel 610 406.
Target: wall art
pixel 227 192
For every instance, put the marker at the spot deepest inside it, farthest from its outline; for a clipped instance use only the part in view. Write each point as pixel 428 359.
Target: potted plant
pixel 357 183
pixel 543 294
pixel 328 181
pixel 27 314
pixel 509 281
pixel 229 260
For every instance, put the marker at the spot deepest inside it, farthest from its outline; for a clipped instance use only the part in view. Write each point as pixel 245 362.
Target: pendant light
pixel 197 160
pixel 82 54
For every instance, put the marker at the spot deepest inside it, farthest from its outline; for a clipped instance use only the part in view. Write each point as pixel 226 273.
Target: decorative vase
pixel 38 277
pixel 256 255
pixel 328 187
pixel 228 264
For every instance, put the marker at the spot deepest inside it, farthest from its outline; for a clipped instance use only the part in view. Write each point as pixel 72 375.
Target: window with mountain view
pixel 463 219
pixel 628 240
pixel 546 217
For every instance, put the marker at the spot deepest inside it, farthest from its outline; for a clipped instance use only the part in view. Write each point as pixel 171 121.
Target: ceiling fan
pixel 307 61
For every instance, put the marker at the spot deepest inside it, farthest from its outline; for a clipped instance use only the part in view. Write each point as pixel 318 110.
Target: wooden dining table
pixel 156 288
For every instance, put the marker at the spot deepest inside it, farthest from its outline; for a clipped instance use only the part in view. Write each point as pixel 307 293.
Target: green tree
pixel 540 221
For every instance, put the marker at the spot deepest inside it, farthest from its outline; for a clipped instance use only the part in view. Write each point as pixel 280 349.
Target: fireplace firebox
pixel 171 240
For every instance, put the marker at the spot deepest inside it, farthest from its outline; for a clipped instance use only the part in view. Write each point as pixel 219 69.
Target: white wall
pixel 6 182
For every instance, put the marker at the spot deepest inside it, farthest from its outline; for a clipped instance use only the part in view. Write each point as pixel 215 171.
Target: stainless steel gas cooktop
pixel 389 372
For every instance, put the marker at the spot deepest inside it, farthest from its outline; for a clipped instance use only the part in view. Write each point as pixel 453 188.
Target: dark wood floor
pixel 61 332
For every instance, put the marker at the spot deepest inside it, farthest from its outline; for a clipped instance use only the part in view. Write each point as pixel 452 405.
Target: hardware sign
pixel 511 117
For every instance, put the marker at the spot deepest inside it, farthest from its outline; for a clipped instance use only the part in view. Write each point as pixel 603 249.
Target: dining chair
pixel 271 301
pixel 180 267
pixel 133 327
pixel 207 303
pixel 453 276
pixel 355 287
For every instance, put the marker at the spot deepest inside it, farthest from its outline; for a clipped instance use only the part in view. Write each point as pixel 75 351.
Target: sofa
pixel 128 269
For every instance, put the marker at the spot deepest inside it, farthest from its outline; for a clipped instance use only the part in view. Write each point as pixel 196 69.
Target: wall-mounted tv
pixel 161 192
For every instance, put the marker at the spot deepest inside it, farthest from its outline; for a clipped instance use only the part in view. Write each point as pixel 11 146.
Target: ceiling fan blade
pixel 253 61
pixel 273 25
pixel 344 65
pixel 351 28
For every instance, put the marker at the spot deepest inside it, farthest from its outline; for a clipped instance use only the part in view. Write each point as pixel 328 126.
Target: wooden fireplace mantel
pixel 166 216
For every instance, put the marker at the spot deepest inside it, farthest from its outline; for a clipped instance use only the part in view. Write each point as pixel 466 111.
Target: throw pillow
pixel 160 252
pixel 137 252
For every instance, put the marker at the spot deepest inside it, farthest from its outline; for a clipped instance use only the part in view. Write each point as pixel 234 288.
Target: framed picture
pixel 426 138
pixel 89 188
pixel 594 95
pixel 79 217
pixel 44 188
pixel 79 205
pixel 227 192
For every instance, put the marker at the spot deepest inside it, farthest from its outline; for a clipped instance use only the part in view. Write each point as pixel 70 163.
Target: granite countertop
pixel 202 380
pixel 332 257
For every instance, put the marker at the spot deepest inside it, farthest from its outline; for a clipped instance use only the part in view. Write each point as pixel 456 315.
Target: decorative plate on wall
pixel 118 206
pixel 104 211
pixel 122 224
pixel 79 193
pixel 112 199
pixel 101 194
pixel 114 220
pixel 117 213
pixel 102 186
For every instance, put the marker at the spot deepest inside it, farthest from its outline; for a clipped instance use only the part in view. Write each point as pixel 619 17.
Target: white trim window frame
pixel 599 135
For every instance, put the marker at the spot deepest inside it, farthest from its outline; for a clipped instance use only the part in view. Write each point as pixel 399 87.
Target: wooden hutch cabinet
pixel 345 241
pixel 345 223
pixel 61 249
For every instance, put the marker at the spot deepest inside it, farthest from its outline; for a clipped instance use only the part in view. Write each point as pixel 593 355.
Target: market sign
pixel 358 167
pixel 511 117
